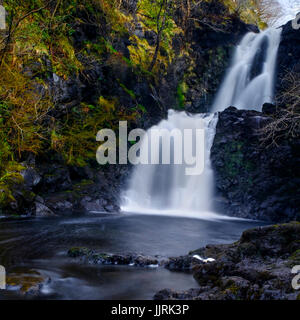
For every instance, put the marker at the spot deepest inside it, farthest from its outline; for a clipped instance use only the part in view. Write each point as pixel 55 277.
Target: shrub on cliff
pixel 285 122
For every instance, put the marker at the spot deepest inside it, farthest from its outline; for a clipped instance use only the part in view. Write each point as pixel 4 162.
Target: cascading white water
pixel 165 189
pixel 240 88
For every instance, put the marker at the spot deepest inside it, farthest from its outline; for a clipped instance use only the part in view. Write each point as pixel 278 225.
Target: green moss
pixel 128 91
pixel 28 281
pixel 142 108
pixel 98 256
pixel 181 91
pixel 76 252
pixel 10 176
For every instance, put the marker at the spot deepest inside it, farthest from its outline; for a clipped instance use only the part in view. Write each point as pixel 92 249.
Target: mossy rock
pixel 78 252
pixel 27 281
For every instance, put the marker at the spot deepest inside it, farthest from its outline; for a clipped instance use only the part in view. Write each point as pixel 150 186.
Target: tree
pixel 268 11
pixel 158 17
pixel 261 12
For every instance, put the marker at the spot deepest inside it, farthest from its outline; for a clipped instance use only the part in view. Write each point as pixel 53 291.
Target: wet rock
pixel 61 205
pixel 78 252
pixel 257 267
pixel 88 204
pixel 269 108
pixel 91 256
pixel 179 263
pixel 31 177
pixel 256 181
pixel 112 208
pixel 56 179
pixel 42 211
pixel 100 194
pixel 169 294
pixel 39 199
pixel 26 282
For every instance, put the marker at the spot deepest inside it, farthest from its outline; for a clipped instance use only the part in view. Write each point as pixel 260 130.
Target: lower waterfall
pixel 166 189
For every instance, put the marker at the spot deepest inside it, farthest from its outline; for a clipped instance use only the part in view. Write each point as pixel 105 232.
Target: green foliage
pixel 157 17
pixel 129 92
pixel 142 108
pixel 41 42
pixel 181 91
pixel 9 177
pixel 76 139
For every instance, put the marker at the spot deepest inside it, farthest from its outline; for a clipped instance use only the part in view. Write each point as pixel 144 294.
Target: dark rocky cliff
pixel 255 180
pixel 288 59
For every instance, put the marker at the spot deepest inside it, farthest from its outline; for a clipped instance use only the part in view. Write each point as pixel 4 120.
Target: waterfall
pixel 166 189
pixel 249 82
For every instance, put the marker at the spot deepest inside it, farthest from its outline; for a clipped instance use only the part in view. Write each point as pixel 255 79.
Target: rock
pixel 26 282
pixel 130 6
pixel 111 208
pixel 255 181
pixel 31 177
pixel 42 211
pixel 88 204
pixel 269 108
pixel 91 256
pixel 183 263
pixel 56 179
pixel 257 267
pixel 39 199
pixel 78 252
pixel 61 206
pixel 288 54
pixel 139 32
pixel 179 263
pixel 100 194
pixel 168 294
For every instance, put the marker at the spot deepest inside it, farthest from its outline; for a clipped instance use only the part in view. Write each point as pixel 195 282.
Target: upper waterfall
pixel 165 189
pixel 249 82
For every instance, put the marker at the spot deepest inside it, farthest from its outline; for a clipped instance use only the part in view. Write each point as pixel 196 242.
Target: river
pixel 30 245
